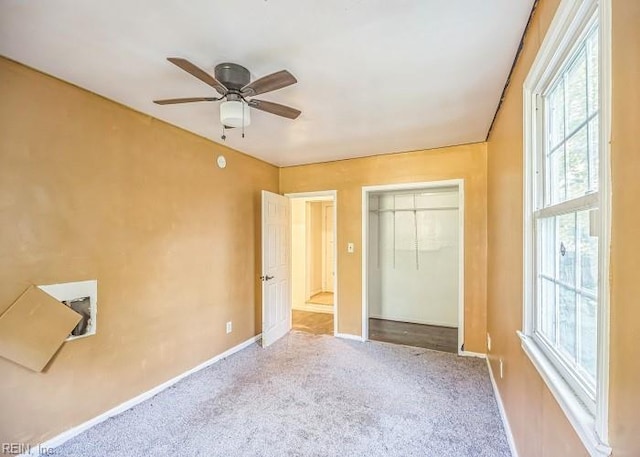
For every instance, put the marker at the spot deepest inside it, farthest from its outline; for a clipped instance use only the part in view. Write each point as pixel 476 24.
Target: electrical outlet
pixel 229 327
pixel 488 342
pixel 501 369
pixel 351 248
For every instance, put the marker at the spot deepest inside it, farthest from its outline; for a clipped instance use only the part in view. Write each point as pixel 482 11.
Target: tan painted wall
pixel 538 423
pixel 348 177
pixel 91 189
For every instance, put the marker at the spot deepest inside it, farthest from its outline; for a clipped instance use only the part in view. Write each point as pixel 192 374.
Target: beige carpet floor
pixel 313 395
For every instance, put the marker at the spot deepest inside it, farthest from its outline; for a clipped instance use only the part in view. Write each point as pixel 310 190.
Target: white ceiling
pixel 375 76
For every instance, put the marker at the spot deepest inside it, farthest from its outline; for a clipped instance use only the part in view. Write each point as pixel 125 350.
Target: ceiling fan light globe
pixel 231 114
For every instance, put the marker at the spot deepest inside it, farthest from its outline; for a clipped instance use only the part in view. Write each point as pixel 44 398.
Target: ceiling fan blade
pixel 269 83
pixel 198 73
pixel 173 101
pixel 275 108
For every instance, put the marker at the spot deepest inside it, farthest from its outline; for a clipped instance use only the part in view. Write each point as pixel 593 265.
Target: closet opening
pixel 413 264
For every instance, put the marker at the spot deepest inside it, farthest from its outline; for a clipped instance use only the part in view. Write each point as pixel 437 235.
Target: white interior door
pixel 276 290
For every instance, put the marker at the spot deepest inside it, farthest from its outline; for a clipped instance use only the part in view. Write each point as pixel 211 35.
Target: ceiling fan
pixel 233 83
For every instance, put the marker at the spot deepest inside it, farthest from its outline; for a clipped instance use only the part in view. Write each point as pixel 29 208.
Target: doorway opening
pixel 313 262
pixel 413 264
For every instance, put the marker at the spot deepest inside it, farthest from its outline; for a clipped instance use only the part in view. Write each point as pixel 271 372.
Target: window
pixel 566 218
pixel 565 329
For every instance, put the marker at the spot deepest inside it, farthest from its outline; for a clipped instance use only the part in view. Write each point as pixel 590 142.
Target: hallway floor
pixel 322 298
pixel 316 323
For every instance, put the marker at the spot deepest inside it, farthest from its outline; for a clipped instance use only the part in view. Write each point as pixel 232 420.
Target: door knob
pixel 266 278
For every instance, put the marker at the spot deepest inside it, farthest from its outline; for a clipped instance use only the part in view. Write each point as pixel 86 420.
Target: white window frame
pixel 569 26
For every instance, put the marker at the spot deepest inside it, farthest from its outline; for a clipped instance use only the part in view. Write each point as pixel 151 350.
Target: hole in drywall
pixel 82 297
pixel 82 306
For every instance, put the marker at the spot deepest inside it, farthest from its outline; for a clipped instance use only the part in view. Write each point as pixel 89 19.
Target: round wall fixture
pixel 222 162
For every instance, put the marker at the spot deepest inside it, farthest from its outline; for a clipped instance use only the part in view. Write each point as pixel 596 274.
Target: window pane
pixel 592 70
pixel 567 321
pixel 548 310
pixel 588 336
pixel 566 248
pixel 594 155
pixel 576 92
pixel 577 164
pixel 555 108
pixel 556 177
pixel 547 248
pixel 588 254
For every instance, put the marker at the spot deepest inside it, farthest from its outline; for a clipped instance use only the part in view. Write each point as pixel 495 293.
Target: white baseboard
pixel 67 435
pixel 348 336
pixel 314 308
pixel 472 354
pixel 503 413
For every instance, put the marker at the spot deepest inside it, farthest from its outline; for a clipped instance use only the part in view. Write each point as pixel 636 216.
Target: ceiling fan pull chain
pixel 243 103
pixel 224 137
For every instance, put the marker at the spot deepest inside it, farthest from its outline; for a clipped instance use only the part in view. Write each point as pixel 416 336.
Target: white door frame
pixel 334 197
pixel 366 191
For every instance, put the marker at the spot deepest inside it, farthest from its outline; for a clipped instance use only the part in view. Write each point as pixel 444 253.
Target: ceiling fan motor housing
pixel 233 76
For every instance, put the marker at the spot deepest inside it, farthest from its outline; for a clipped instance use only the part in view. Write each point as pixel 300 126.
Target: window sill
pixel 580 418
